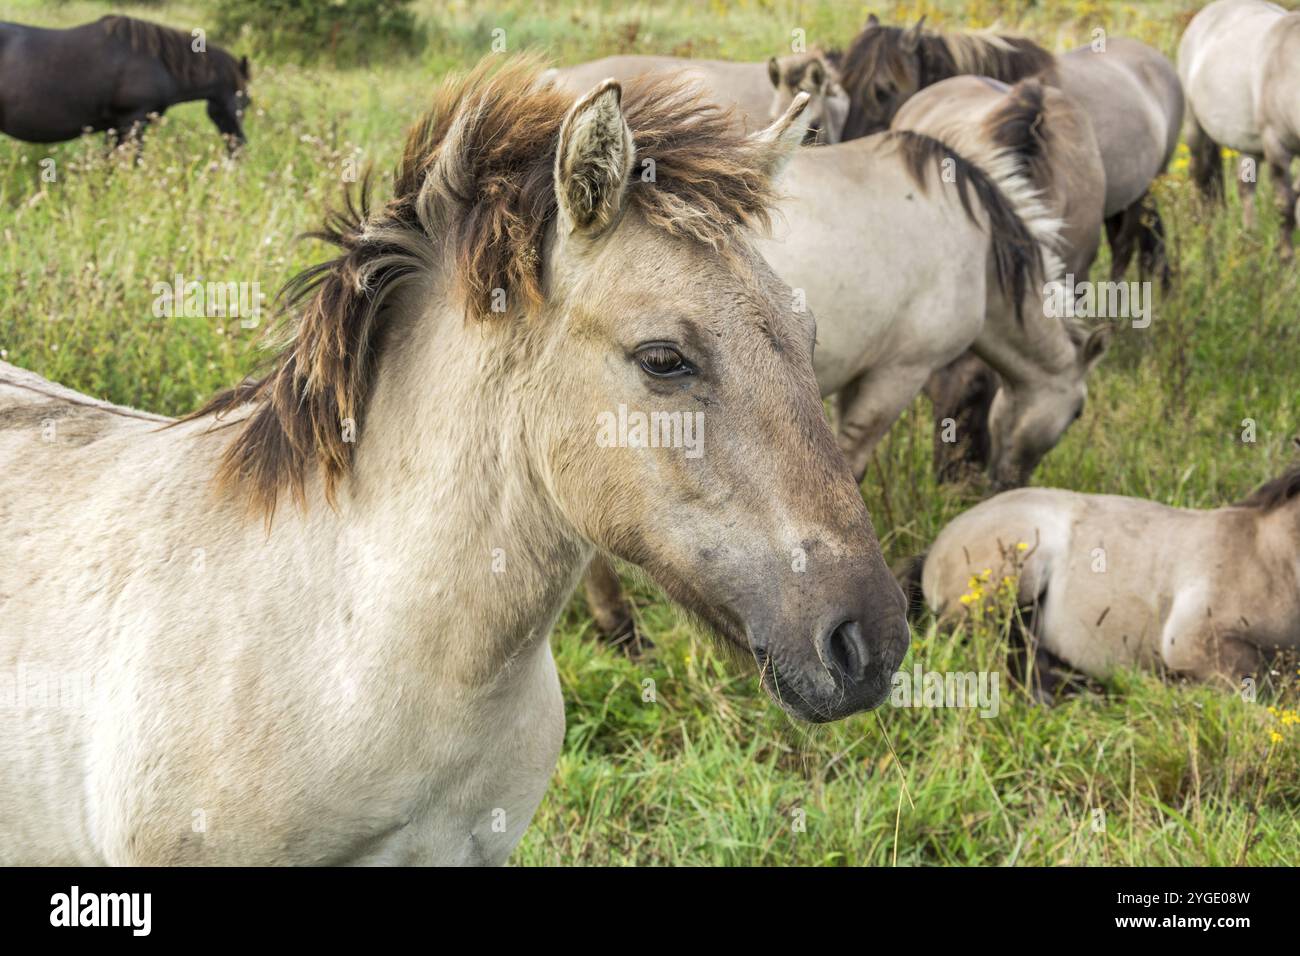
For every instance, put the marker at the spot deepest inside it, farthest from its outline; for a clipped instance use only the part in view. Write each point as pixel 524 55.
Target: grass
pixel 709 771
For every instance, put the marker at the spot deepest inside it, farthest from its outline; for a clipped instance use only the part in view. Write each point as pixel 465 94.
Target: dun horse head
pixel 1027 420
pixel 817 75
pixel 644 369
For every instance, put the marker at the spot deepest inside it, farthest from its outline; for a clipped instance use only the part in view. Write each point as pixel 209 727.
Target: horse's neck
pixel 476 559
pixel 1032 348
pixel 1279 536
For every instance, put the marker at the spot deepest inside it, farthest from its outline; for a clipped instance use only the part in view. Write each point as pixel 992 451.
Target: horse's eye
pixel 663 361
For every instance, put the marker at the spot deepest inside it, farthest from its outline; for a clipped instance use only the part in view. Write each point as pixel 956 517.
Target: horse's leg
pixel 1246 187
pixel 1206 160
pixel 1152 256
pixel 610 609
pixel 129 129
pixel 960 394
pixel 1279 170
pixel 869 405
pixel 1121 233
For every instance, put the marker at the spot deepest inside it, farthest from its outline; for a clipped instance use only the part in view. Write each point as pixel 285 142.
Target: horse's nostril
pixel 847 650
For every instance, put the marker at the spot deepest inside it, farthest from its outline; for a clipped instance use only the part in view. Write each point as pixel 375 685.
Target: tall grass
pixel 709 771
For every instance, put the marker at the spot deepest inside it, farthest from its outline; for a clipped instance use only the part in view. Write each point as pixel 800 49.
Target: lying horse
pixel 911 252
pixel 113 74
pixel 1130 92
pixel 1238 61
pixel 1112 582
pixel 365 676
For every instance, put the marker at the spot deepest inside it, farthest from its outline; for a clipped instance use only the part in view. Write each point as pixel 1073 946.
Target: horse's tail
pixel 1004 162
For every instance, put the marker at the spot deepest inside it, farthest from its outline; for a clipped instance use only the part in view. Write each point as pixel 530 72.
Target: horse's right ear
pixel 774 72
pixel 244 69
pixel 911 39
pixel 784 135
pixel 593 162
pixel 873 21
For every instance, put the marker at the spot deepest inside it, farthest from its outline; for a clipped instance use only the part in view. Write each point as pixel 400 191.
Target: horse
pixel 317 608
pixel 1237 61
pixel 1065 167
pixel 758 92
pixel 1130 92
pixel 1110 582
pixel 958 243
pixel 114 74
pixel 911 252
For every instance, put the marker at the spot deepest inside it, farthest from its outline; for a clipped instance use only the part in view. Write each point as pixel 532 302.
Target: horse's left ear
pixel 911 39
pixel 784 135
pixel 1094 346
pixel 244 69
pixel 594 160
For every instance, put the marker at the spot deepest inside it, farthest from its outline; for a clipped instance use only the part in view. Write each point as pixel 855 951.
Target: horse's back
pixel 1277 81
pixel 1137 140
pixel 742 85
pixel 33 408
pixel 1219 63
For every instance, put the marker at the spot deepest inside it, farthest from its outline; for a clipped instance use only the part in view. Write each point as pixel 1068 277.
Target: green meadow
pixel 1141 770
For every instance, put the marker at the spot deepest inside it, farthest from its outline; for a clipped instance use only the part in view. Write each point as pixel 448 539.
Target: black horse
pixel 113 74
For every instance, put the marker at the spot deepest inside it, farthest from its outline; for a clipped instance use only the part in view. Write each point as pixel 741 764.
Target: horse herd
pixel 361 673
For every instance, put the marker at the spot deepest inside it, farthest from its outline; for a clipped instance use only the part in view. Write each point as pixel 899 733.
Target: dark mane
pixel 1274 494
pixel 1020 127
pixel 477 179
pixel 174 50
pixel 878 52
pixel 1017 257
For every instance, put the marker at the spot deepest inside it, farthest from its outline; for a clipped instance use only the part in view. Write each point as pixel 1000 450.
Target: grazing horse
pixel 747 87
pixel 1239 61
pixel 1130 92
pixel 363 674
pixel 910 252
pixel 1111 582
pixel 1065 167
pixel 911 249
pixel 113 74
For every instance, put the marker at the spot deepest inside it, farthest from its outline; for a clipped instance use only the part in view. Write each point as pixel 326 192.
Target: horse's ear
pixel 816 74
pixel 244 68
pixel 911 38
pixel 593 161
pixel 774 72
pixel 1094 346
pixel 784 135
pixel 873 21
